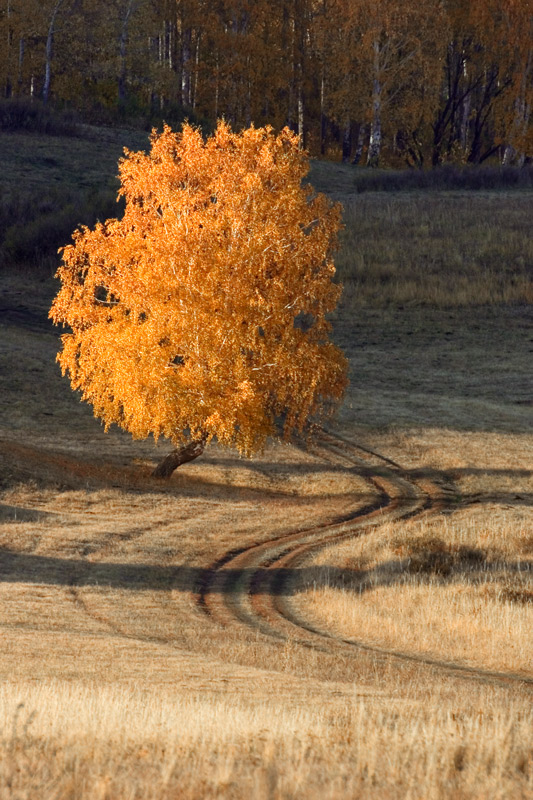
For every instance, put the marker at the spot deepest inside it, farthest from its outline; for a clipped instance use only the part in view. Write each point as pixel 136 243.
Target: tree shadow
pixel 66 471
pixel 10 513
pixel 437 564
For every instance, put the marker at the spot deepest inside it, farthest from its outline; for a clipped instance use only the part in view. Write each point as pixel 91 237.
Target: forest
pixel 382 83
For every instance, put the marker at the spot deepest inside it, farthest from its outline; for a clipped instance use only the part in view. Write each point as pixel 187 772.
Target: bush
pixel 34 229
pixel 445 178
pixel 21 114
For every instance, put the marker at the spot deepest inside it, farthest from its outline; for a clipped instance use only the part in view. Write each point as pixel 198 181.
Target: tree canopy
pixel 202 312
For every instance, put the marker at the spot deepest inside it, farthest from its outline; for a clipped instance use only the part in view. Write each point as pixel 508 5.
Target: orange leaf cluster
pixel 202 312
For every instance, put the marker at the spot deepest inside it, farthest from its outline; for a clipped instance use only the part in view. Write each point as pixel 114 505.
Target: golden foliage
pixel 202 311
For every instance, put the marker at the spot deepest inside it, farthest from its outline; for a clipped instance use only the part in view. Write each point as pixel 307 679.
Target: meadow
pixel 346 618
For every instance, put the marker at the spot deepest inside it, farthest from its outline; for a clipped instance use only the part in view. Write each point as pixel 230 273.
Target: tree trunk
pixel 374 146
pixel 194 98
pixel 347 142
pixel 301 129
pixel 178 457
pixel 186 39
pixel 123 46
pixel 465 119
pixel 521 120
pixel 322 117
pixel 49 47
pixel 360 145
pixel 22 48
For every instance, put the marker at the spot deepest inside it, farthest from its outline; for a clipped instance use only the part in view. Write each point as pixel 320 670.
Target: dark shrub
pixel 22 114
pixel 445 178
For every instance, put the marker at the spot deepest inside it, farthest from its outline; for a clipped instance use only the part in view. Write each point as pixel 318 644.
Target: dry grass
pixel 442 248
pixel 82 740
pixel 457 587
pixel 423 371
pixel 36 162
pixel 439 249
pixel 138 694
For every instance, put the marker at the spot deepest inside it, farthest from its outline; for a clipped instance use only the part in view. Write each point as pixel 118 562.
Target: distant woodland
pixel 381 82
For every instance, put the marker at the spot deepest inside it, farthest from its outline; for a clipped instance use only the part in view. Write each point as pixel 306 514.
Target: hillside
pixel 346 619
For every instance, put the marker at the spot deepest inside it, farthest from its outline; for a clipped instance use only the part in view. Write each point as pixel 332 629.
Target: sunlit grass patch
pixel 454 587
pixel 77 740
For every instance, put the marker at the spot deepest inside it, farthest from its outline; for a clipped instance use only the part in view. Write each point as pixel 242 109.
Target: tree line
pixel 392 81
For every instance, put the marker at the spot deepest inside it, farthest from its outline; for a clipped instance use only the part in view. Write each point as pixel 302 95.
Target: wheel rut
pixel 252 586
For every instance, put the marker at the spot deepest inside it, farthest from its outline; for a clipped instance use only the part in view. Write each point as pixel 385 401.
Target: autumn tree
pixel 202 312
pixel 487 73
pixel 397 53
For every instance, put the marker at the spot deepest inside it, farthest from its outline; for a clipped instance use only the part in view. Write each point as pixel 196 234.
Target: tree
pixel 202 312
pixel 398 53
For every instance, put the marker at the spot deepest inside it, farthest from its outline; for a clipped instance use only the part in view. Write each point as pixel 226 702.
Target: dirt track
pixel 252 585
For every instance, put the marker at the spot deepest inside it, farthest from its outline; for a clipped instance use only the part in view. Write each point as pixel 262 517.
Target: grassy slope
pixel 446 247
pixel 36 162
pixel 135 692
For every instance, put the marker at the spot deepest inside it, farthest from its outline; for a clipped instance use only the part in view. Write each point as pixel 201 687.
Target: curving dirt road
pixel 248 588
pixel 251 585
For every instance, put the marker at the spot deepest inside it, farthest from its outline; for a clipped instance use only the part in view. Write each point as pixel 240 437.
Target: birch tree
pixel 49 48
pixel 202 312
pixel 398 41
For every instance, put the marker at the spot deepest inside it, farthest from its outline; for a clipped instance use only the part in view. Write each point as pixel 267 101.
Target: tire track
pixel 239 584
pixel 252 586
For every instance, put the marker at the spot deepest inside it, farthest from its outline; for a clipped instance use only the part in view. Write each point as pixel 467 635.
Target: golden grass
pixel 439 249
pixel 137 694
pixel 81 740
pixel 458 588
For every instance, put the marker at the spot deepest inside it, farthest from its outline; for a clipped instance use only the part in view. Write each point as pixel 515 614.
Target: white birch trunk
pixel 168 43
pixel 185 68
pixel 521 119
pixel 374 146
pixel 322 115
pixel 49 52
pixel 216 85
pixel 301 130
pixel 196 72
pixel 465 116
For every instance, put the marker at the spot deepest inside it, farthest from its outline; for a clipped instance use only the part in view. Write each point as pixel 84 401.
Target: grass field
pixel 346 620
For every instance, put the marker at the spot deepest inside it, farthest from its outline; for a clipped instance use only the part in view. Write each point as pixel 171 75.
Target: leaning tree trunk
pixel 178 457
